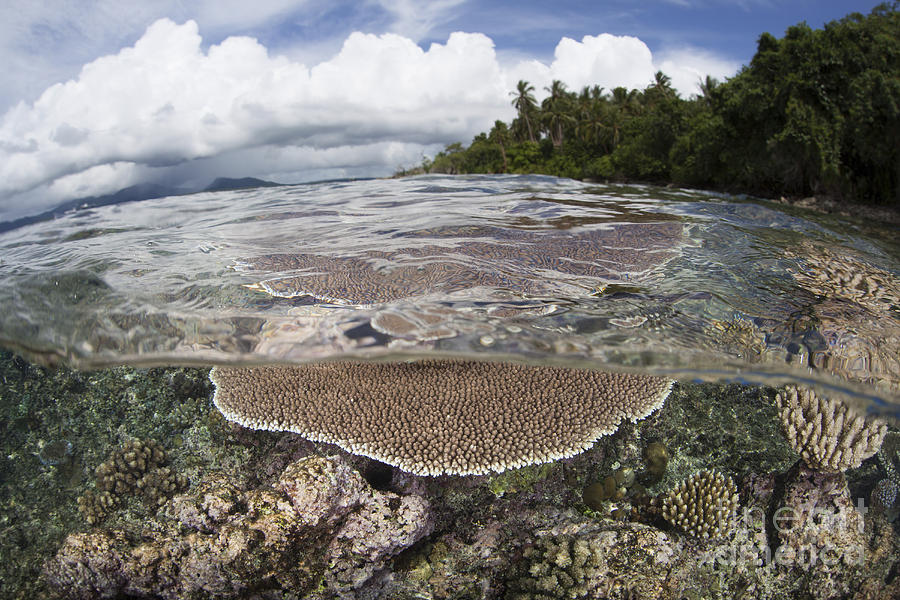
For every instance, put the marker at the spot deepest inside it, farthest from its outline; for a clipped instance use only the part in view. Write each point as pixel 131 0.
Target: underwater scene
pixel 450 387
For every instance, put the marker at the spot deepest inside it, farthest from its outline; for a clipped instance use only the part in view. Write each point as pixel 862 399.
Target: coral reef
pixel 889 456
pixel 822 539
pixel 732 428
pixel 816 515
pixel 44 410
pixel 568 557
pixel 703 506
pixel 137 468
pixel 268 517
pixel 440 416
pixel 560 567
pixel 828 434
pixel 320 523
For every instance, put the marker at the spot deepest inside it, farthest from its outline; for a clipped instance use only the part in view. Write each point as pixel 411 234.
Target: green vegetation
pixel 815 113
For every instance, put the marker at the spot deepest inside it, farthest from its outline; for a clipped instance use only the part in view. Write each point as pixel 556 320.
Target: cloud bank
pixel 165 109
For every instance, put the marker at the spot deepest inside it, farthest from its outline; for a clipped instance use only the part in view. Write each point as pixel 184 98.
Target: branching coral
pixel 828 434
pixel 138 468
pixel 703 505
pixel 562 566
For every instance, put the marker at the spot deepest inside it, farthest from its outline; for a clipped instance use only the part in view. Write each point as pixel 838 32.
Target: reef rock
pixel 817 522
pixel 319 517
pixel 820 534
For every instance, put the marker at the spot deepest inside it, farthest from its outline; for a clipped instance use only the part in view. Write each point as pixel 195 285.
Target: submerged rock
pixel 320 523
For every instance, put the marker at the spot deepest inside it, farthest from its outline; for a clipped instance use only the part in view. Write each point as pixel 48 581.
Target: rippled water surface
pixel 539 269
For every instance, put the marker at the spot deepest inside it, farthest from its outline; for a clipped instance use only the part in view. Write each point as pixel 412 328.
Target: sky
pixel 98 95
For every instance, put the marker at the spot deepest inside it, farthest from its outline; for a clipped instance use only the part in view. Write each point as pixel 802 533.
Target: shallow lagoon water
pixel 698 286
pixel 688 284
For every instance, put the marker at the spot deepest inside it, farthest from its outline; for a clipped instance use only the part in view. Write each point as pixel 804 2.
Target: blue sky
pixel 100 94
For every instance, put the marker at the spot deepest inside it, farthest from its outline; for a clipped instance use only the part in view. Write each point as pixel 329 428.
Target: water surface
pixel 538 269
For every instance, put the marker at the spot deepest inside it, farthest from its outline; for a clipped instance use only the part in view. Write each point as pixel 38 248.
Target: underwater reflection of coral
pixel 449 260
pixel 856 310
pixel 831 274
pixel 860 345
pixel 740 336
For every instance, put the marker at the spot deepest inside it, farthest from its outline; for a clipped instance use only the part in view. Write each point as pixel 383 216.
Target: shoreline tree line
pixel 816 112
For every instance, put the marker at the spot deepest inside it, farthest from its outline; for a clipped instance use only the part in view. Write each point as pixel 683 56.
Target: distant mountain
pixel 141 191
pixel 229 183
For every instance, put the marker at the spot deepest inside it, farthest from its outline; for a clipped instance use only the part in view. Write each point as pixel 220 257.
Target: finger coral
pixel 138 468
pixel 826 433
pixel 703 505
pixel 563 566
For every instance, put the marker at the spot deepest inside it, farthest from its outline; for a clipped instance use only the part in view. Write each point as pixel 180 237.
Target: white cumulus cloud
pixel 168 110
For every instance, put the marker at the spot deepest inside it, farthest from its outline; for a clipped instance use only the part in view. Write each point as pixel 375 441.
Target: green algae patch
pixel 732 428
pixel 517 480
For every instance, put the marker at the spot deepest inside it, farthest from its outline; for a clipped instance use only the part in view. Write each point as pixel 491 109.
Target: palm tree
pixel 662 82
pixel 500 135
pixel 626 100
pixel 660 89
pixel 623 105
pixel 707 87
pixel 525 104
pixel 590 122
pixel 554 110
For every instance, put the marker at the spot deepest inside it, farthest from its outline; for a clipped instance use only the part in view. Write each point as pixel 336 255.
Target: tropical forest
pixel 815 113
